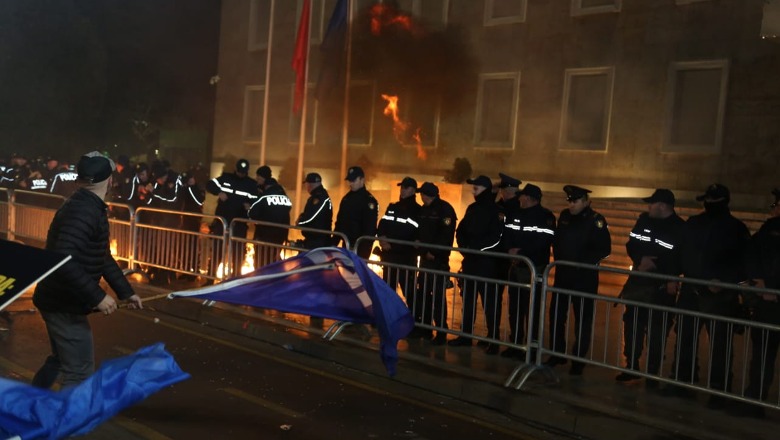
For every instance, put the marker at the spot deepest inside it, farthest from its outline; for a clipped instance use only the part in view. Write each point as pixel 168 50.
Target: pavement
pixel 592 406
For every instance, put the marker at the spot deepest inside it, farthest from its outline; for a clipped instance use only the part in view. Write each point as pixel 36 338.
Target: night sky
pixel 76 74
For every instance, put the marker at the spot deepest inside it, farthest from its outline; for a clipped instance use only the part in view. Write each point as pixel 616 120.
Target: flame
pixel 249 259
pixel 375 267
pixel 400 126
pixel 113 248
pixel 384 17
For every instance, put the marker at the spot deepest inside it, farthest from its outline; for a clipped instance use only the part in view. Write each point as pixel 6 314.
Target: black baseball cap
pixel 354 172
pixel 94 169
pixel 242 166
pixel 429 189
pixel 408 182
pixel 481 180
pixel 312 178
pixel 531 190
pixel 661 195
pixel 716 191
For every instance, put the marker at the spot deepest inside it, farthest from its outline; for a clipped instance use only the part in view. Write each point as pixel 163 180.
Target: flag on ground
pixel 30 412
pixel 328 283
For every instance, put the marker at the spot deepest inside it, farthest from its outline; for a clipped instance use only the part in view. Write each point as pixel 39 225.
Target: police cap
pixel 312 178
pixel 661 195
pixel 716 191
pixel 408 182
pixel 508 181
pixel 429 189
pixel 481 180
pixel 354 172
pixel 574 192
pixel 242 166
pixel 531 190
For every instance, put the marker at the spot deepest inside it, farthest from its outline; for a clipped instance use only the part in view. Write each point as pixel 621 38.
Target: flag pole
pixel 266 94
pixel 345 120
pixel 304 110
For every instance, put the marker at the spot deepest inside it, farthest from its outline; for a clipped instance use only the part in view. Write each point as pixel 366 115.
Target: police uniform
pixel 272 206
pixel 763 263
pixel 64 183
pixel 437 226
pixel 581 238
pixel 239 190
pixel 713 248
pixel 660 239
pixel 531 231
pixel 401 222
pixel 480 229
pixel 165 195
pixel 137 194
pixel 358 212
pixel 317 214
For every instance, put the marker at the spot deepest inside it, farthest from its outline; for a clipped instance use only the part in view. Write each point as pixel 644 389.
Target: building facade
pixel 607 93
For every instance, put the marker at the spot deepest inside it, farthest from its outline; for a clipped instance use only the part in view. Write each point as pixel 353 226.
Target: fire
pixel 400 126
pixel 224 271
pixel 113 247
pixel 384 17
pixel 375 267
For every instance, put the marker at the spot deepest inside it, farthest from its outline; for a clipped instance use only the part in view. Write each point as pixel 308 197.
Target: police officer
pixel 654 246
pixel 236 192
pixel 317 214
pixel 763 266
pixel 122 178
pixel 401 222
pixel 480 230
pixel 192 197
pixel 530 232
pixel 64 183
pixel 272 206
pixel 437 226
pixel 358 212
pixel 261 175
pixel 713 248
pixel 582 237
pixel 139 192
pixel 165 195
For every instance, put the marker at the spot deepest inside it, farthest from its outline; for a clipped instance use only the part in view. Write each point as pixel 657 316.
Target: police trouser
pixel 430 295
pixel 519 303
pixel 765 344
pixel 581 280
pixel 394 276
pixel 488 293
pixel 641 322
pixel 720 334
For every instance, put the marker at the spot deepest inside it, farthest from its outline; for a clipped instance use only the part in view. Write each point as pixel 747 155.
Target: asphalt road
pixel 243 388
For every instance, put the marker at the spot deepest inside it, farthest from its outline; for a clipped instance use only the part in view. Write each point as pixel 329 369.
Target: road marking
pixel 262 402
pixel 434 408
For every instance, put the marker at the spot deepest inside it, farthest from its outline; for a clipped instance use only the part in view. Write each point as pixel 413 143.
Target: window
pixel 294 134
pixel 585 7
pixel 587 104
pixel 362 98
pixel 423 118
pixel 259 24
pixel 432 12
pixel 499 12
pixel 497 101
pixel 254 97
pixel 695 106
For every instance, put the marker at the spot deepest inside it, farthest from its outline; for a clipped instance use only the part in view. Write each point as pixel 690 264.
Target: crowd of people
pixel 507 219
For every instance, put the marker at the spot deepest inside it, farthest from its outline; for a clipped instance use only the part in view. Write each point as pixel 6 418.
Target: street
pixel 244 388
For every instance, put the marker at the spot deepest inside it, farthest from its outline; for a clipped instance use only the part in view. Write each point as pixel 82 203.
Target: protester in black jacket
pixel 480 230
pixel 67 296
pixel 582 237
pixel 317 214
pixel 400 222
pixel 358 212
pixel 437 226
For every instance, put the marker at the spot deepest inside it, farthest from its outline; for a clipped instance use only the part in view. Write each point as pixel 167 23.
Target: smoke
pixel 406 55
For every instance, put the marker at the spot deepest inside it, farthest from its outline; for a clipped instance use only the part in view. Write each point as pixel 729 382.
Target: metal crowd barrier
pixel 5 216
pixel 120 226
pixel 673 349
pixel 161 243
pixel 30 214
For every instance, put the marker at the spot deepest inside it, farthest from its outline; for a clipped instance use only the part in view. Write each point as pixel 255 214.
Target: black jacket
pixel 272 206
pixel 763 257
pixel 581 238
pixel 357 216
pixel 714 247
pixel 239 190
pixel 80 229
pixel 400 222
pixel 437 226
pixel 480 229
pixel 317 214
pixel 532 231
pixel 660 238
